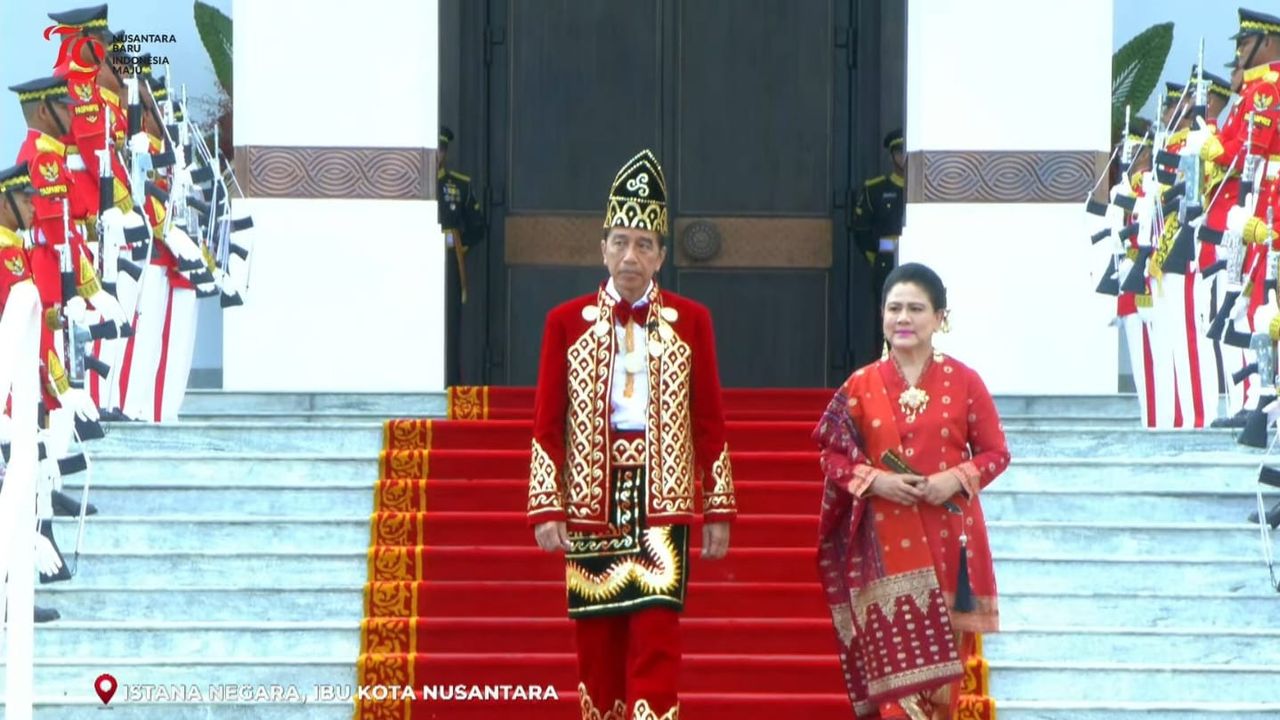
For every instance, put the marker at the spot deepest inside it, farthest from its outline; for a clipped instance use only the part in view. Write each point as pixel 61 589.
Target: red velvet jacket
pixel 570 469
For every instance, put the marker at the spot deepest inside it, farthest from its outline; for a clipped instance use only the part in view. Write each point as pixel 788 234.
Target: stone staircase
pixel 231 550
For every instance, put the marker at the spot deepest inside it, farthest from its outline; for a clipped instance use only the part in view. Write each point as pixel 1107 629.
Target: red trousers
pixel 629 665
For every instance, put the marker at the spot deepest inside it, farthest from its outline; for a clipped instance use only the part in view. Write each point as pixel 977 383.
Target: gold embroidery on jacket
pixel 544 491
pixel 671 452
pixel 721 496
pixel 590 365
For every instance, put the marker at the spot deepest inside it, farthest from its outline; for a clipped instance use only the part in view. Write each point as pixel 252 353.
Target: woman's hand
pixel 941 487
pixel 899 488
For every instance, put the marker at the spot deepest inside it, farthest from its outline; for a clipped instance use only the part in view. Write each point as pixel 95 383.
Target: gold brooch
pixel 913 401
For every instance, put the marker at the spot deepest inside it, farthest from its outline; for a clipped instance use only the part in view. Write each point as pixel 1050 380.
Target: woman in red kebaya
pixel 907 444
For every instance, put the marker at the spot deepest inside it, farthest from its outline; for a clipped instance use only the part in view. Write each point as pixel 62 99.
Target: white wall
pixel 346 295
pixel 1013 75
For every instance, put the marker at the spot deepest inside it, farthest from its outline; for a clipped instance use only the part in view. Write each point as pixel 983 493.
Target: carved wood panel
pixel 337 172
pixel 980 176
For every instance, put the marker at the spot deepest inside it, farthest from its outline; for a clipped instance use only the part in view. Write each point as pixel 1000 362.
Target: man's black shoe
pixel 66 506
pixel 1235 421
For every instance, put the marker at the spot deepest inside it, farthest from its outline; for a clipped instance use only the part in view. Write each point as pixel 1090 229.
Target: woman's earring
pixel 884 354
pixel 946 323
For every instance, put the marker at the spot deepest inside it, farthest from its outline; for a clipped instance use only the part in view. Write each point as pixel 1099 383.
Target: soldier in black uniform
pixel 878 223
pixel 463 224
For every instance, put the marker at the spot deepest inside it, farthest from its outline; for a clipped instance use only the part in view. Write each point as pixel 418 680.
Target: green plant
pixel 1135 71
pixel 215 33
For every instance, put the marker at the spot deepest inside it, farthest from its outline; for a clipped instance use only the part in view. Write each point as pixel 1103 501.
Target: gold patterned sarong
pixel 630 565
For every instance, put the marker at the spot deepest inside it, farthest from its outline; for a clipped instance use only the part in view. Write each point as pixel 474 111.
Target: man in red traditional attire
pixel 628 426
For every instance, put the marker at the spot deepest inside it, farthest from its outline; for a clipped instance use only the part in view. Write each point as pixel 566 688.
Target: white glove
pixel 1236 218
pixel 1273 411
pixel 182 245
pixel 75 163
pixel 79 402
pixel 76 310
pixel 112 217
pixel 448 240
pixel 140 144
pixel 48 562
pixel 107 306
pixel 1196 138
pixel 181 179
pixel 48 479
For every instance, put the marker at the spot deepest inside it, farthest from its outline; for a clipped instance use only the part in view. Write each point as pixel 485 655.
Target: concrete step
pixel 387 404
pixel 106 533
pixel 74 677
pixel 1025 573
pixel 1234 470
pixel 232 469
pixel 1034 643
pixel 245 598
pixel 261 501
pixel 235 638
pixel 366 437
pixel 1209 507
pixel 239 599
pixel 1120 710
pixel 242 638
pixel 433 404
pixel 145 498
pixel 154 568
pixel 1151 682
pixel 343 416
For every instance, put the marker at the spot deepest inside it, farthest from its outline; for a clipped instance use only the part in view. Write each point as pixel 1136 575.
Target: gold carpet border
pixel 975 702
pixel 467 402
pixel 404 464
pixel 388 642
pixel 407 434
pixel 400 495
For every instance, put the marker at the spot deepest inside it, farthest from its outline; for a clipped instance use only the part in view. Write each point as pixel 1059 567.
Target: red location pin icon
pixel 105 686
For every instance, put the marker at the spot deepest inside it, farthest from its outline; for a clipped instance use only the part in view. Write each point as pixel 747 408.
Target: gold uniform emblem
pixel 49 171
pixel 1262 103
pixel 16 266
pixel 83 91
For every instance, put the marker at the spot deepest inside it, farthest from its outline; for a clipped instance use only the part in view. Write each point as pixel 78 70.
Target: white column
pixel 344 294
pixel 1014 76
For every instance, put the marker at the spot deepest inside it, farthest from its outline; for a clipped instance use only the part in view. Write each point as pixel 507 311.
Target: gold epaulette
pixel 1143 300
pixel 47 143
pixel 9 239
pixel 1261 72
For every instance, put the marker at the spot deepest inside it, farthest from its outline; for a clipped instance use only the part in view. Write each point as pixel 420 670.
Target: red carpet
pixel 459 594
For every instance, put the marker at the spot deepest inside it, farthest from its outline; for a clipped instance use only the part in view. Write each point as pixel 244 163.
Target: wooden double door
pixel 748 106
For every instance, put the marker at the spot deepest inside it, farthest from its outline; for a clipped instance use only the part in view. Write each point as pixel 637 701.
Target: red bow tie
pixel 624 310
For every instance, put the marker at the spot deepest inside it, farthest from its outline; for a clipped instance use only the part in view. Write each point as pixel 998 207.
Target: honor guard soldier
pixel 628 432
pixel 878 224
pixel 462 221
pixel 19 297
pixel 1249 143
